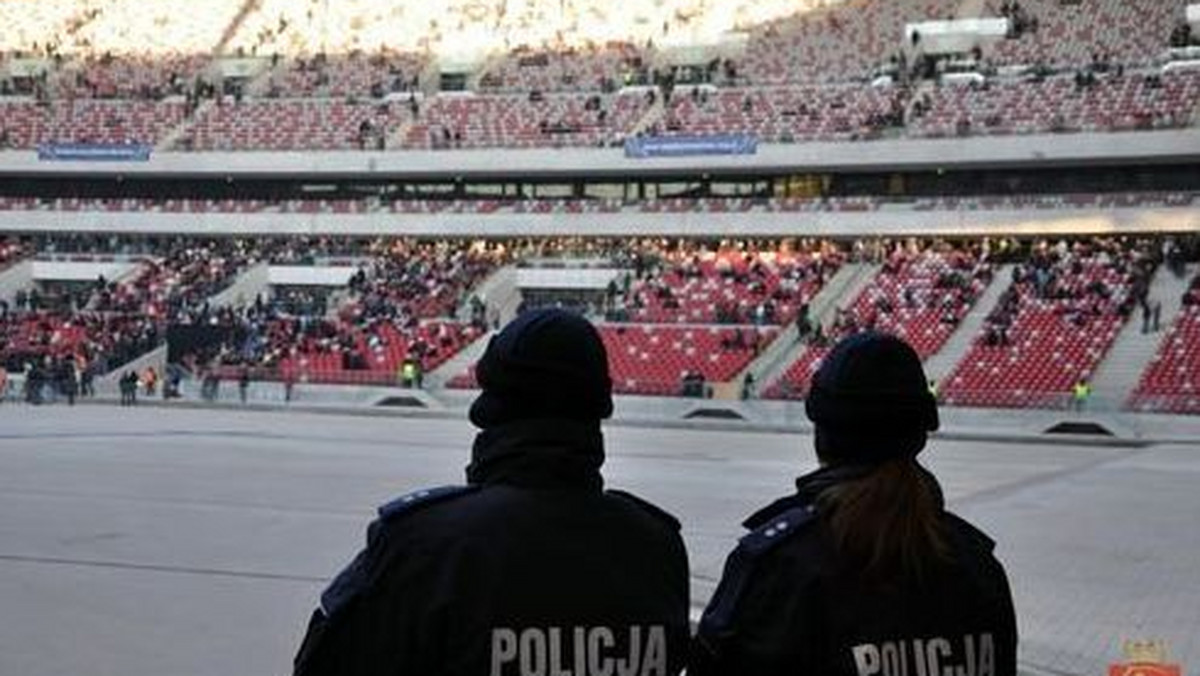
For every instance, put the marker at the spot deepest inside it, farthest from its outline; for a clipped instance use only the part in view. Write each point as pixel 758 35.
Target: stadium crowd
pixel 680 316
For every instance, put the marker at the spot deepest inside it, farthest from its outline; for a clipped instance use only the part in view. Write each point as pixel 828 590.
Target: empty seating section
pixel 26 124
pixel 698 285
pixel 286 125
pixel 1051 327
pixel 128 77
pixel 652 360
pixel 595 69
pixel 1171 383
pixel 919 295
pixel 522 121
pixel 784 114
pixel 843 42
pixel 340 76
pixel 1071 34
pixel 1112 104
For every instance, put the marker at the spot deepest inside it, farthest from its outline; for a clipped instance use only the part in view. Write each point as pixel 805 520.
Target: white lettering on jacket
pixel 970 655
pixel 579 651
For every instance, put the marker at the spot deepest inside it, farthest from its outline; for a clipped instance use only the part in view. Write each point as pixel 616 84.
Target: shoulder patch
pixel 776 530
pixel 653 509
pixel 417 500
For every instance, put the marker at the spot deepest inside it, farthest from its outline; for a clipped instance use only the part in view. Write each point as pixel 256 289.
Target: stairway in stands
pixel 458 364
pixel 941 364
pixel 840 291
pixel 1117 376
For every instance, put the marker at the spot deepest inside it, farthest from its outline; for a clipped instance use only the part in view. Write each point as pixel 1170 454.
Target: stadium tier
pixel 667 360
pixel 720 313
pixel 788 114
pixel 316 76
pixel 732 205
pixel 680 318
pixel 1053 325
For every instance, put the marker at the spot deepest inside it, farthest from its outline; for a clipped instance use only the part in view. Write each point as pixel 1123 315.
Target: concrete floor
pixel 173 542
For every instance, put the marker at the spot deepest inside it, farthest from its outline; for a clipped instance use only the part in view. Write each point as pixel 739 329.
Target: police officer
pixel 862 571
pixel 530 568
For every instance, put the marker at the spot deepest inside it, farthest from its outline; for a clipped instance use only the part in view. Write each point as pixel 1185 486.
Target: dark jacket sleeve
pixel 756 624
pixel 1006 648
pixel 350 630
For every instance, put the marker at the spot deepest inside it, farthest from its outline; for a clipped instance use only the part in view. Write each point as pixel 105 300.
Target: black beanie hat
pixel 870 401
pixel 546 363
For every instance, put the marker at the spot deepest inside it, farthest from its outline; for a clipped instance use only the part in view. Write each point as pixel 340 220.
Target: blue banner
pixel 683 146
pixel 95 152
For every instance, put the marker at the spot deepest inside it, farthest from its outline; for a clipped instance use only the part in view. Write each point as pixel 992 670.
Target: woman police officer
pixel 862 571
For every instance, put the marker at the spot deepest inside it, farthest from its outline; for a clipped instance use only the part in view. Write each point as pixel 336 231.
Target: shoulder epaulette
pixel 739 568
pixel 766 514
pixel 777 530
pixel 416 500
pixel 653 509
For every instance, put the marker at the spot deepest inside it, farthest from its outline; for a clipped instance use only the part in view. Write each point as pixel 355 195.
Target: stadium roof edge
pixel 1063 150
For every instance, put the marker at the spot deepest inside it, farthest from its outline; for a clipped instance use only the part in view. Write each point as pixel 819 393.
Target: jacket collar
pixel 810 486
pixel 541 453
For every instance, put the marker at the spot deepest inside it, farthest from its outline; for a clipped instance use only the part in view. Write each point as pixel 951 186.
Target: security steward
pixel 530 568
pixel 862 571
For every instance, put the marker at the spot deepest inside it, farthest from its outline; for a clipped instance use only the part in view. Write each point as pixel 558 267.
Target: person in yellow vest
pixel 933 389
pixel 1080 394
pixel 408 373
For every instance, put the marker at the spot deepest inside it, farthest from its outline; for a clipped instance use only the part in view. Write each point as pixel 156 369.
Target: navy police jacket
pixel 532 568
pixel 785 606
